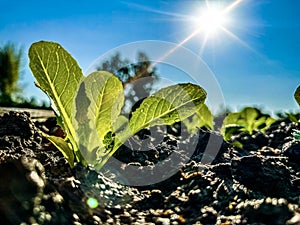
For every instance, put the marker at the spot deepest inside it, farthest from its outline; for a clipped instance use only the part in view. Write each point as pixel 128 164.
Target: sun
pixel 208 19
pixel 211 20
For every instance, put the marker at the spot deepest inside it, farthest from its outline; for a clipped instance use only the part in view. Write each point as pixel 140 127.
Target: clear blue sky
pixel 263 68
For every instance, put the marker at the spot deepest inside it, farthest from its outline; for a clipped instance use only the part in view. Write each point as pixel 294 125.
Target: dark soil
pixel 256 184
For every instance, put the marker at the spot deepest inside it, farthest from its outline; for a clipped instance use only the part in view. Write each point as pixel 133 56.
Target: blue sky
pixel 262 68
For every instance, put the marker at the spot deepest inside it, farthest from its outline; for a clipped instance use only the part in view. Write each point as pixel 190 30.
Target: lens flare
pixel 92 203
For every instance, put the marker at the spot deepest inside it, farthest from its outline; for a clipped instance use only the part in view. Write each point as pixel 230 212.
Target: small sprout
pixel 296 134
pixel 92 203
pixel 247 120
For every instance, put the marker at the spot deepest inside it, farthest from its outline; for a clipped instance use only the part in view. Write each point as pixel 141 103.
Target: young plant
pixel 248 120
pixel 296 134
pixel 88 108
pixel 293 117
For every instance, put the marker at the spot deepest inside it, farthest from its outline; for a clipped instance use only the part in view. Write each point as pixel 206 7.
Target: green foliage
pixel 297 95
pixel 97 105
pixel 130 74
pixel 248 120
pixel 88 108
pixel 167 106
pixel 293 117
pixel 203 118
pixel 296 134
pixel 63 146
pixel 59 76
pixel 10 63
pixel 229 129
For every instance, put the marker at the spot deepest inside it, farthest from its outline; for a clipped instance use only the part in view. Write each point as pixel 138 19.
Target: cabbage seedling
pixel 88 108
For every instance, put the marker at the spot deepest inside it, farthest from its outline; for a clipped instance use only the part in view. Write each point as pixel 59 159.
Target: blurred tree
pixel 10 63
pixel 137 78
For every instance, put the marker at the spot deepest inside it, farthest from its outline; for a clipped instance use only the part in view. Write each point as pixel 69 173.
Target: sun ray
pixel 160 12
pixel 175 48
pixel 232 6
pixel 215 20
pixel 237 39
pixel 244 44
pixel 203 44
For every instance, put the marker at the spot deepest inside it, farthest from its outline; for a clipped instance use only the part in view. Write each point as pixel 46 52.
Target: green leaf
pixel 232 118
pixel 120 124
pixel 246 119
pixel 63 147
pixel 237 144
pixel 58 75
pixel 259 123
pixel 167 106
pixel 249 119
pixel 297 95
pixel 230 130
pixel 202 118
pixel 293 117
pixel 206 118
pixel 296 134
pixel 264 123
pixel 231 125
pixel 269 122
pixel 248 116
pixel 98 104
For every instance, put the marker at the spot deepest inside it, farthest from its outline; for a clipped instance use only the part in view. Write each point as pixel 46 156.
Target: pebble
pixel 162 221
pixel 295 220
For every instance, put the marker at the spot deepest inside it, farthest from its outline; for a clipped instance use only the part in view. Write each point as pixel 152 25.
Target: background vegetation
pixel 11 65
pixel 137 78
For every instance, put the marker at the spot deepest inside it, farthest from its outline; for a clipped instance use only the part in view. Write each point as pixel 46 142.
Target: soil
pixel 256 184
